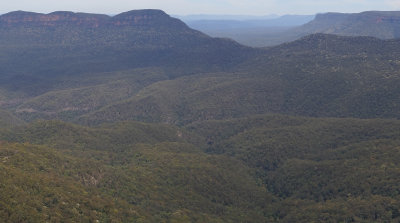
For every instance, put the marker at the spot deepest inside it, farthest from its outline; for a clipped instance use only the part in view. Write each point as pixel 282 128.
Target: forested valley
pixel 138 118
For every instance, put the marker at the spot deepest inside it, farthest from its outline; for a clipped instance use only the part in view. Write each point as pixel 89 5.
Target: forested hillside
pixel 319 75
pixel 138 118
pixel 253 169
pixel 39 50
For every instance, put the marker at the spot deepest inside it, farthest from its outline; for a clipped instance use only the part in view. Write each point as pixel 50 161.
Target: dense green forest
pixel 254 169
pixel 138 118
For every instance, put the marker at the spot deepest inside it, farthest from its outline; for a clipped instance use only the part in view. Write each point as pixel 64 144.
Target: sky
pixel 190 7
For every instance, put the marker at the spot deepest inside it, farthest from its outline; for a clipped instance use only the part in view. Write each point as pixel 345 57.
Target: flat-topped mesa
pixel 147 17
pixel 368 16
pixel 379 24
pixel 382 17
pixel 52 19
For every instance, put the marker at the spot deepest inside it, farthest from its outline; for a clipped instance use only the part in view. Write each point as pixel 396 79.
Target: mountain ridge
pixel 320 75
pixel 75 43
pixel 380 24
pixel 129 18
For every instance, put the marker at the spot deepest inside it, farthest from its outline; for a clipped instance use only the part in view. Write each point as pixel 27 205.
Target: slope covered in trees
pixel 335 170
pixel 259 168
pixel 37 50
pixel 140 176
pixel 319 75
pixel 171 125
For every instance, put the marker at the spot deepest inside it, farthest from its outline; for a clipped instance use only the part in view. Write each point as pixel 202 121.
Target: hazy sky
pixel 184 7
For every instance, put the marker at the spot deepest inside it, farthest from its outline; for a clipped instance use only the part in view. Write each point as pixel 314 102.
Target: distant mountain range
pixel 224 17
pixel 251 31
pixel 380 24
pixel 208 25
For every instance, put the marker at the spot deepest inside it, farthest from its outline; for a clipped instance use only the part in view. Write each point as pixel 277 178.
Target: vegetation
pixel 254 169
pixel 335 170
pixel 8 120
pixel 318 76
pixel 139 175
pixel 155 122
pixel 38 184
